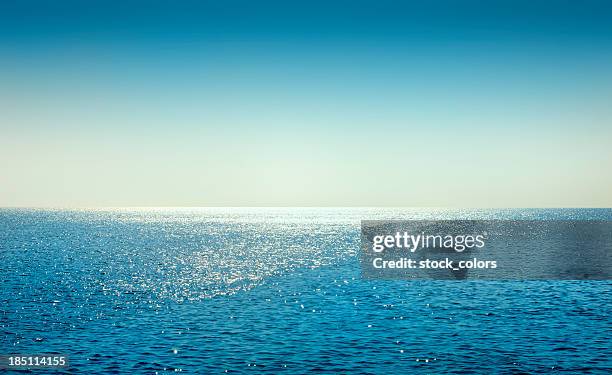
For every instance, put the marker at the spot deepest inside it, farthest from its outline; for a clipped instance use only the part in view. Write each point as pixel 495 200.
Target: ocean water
pixel 278 291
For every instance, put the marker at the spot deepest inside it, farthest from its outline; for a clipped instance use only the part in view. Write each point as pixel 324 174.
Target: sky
pixel 317 103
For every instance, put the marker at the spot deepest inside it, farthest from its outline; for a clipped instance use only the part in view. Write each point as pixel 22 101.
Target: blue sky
pixel 346 103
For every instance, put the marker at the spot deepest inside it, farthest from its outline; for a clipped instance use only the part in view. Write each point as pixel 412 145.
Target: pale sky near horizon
pixel 437 104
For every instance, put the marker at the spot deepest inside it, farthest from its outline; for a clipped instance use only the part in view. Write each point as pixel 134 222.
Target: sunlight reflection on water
pixel 276 289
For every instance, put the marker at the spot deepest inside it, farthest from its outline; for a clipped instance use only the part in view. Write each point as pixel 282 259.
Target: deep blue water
pixel 277 290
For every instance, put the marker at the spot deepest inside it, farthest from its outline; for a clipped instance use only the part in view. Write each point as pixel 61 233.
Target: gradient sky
pixel 317 103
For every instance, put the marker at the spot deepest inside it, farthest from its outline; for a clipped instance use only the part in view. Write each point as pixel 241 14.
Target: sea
pixel 276 290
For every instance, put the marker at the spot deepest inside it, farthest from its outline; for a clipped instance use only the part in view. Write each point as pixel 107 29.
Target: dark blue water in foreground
pixel 252 290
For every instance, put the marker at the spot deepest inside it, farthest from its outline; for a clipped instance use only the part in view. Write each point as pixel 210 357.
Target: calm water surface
pixel 275 290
